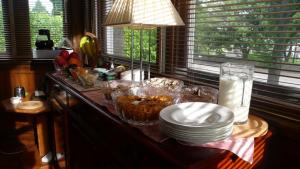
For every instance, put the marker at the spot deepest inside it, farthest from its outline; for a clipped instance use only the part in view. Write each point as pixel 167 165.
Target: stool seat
pixel 37 107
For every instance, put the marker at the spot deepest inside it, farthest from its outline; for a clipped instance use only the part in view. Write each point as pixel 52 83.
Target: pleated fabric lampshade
pixel 143 14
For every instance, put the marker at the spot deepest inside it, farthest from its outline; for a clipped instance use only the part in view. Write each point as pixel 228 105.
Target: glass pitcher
pixel 235 89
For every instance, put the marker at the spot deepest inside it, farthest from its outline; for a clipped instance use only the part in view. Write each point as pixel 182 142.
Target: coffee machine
pixel 43 40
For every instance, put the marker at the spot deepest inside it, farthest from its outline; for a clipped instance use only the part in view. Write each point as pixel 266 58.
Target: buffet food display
pixel 140 104
pixel 186 113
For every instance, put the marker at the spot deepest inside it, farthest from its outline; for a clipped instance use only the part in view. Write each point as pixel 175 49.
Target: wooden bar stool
pixel 39 113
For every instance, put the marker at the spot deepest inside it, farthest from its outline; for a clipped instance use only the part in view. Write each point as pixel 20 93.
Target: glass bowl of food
pixel 198 93
pixel 142 105
pixel 170 84
pixel 116 85
pixel 86 77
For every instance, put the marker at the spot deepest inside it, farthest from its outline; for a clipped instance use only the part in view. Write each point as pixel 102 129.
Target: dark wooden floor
pixel 17 146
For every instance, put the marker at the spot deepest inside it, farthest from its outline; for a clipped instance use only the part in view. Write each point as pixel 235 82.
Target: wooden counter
pixel 97 138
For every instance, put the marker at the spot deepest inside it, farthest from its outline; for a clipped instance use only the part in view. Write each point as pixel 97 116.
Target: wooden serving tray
pixel 255 127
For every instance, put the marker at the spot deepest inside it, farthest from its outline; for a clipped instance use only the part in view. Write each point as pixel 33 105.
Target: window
pixel 117 41
pixel 5 41
pixel 46 14
pixel 149 44
pixel 20 21
pixel 2 37
pixel 264 33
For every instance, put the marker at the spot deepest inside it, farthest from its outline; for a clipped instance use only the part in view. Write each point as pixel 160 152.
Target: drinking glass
pixel 235 89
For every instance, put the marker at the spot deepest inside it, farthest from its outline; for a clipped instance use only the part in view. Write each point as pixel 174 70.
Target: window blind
pixel 5 35
pixel 265 33
pixel 21 32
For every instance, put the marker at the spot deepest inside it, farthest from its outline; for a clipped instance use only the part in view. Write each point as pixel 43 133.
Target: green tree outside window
pixel 2 37
pixel 147 44
pixel 252 29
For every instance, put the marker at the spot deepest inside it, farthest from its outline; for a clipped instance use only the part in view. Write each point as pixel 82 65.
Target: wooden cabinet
pixel 96 138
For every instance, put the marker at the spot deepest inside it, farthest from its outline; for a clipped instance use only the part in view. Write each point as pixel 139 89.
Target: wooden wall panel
pixel 2 87
pixel 25 79
pixel 28 74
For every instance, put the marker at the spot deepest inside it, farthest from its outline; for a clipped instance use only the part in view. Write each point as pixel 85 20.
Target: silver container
pixel 19 91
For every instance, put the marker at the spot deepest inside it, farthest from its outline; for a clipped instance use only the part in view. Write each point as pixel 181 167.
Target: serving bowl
pixel 141 105
pixel 86 77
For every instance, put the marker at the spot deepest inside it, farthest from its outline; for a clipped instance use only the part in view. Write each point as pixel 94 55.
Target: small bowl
pixel 15 100
pixel 198 93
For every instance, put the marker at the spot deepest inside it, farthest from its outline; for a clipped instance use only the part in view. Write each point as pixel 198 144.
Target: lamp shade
pixel 143 13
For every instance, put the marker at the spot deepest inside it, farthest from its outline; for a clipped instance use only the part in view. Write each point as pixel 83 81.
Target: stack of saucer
pixel 197 122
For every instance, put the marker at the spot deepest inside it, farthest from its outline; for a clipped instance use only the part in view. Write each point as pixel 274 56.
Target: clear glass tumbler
pixel 235 89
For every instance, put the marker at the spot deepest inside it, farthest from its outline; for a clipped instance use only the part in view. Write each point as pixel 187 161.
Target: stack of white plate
pixel 197 122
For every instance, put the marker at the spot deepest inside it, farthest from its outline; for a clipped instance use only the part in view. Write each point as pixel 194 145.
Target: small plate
pixel 29 105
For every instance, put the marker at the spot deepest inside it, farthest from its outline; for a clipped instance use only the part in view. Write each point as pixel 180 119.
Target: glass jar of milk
pixel 235 89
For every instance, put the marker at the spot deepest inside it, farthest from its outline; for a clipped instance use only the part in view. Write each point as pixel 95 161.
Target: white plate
pixel 194 129
pixel 202 134
pixel 197 114
pixel 201 140
pixel 187 134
